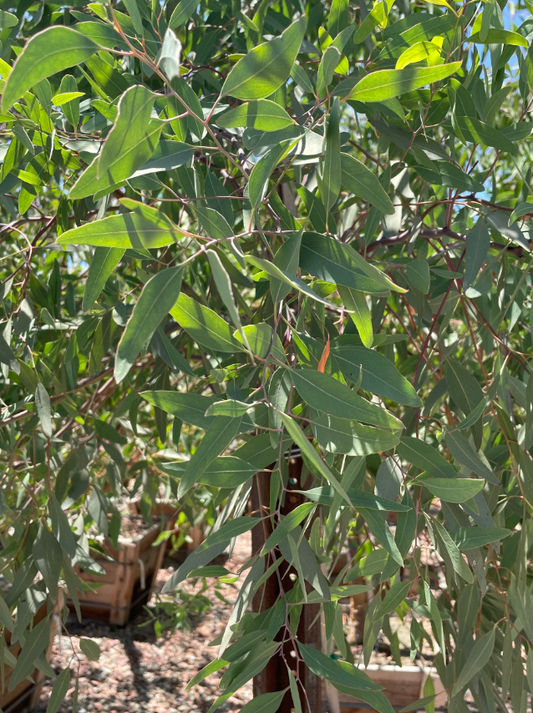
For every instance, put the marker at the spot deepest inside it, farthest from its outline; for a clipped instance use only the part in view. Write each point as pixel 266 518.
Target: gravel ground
pixel 138 672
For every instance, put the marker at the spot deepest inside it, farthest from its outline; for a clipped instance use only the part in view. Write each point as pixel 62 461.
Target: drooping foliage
pixel 232 231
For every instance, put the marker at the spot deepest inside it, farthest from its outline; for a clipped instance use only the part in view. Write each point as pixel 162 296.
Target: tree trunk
pixel 275 676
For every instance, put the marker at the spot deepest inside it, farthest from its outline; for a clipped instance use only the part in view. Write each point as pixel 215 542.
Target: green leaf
pixel 214 224
pixel 7 356
pixel 228 407
pixel 61 527
pixel 359 498
pixel 463 386
pixel 379 375
pixel 204 325
pixel 360 181
pixel 330 60
pixel 258 182
pixel 341 435
pixel 135 15
pixel 468 538
pixel 220 434
pixel 393 598
pixel 212 667
pixel 418 705
pixel 316 463
pixel 496 36
pixel 355 301
pixel 389 83
pixel 328 668
pixel 265 703
pixel 448 550
pixel 287 259
pixel 129 145
pixel 465 454
pixel 224 472
pixel 42 405
pixel 90 648
pixel 59 691
pixel 424 456
pixel 330 260
pixel 323 392
pixel 224 287
pixel 477 659
pixel 266 67
pixel 210 548
pixel 286 278
pixel 418 275
pixel 170 57
pixel 477 132
pixel 35 642
pixel 458 490
pixel 330 178
pixel 417 52
pixel 477 248
pixel 468 604
pixel 377 524
pixel 7 19
pixel 188 407
pixel 146 229
pixel 168 155
pixel 183 10
pixel 288 523
pixel 262 341
pixel 46 53
pixel 157 298
pixel 263 114
pixel 102 265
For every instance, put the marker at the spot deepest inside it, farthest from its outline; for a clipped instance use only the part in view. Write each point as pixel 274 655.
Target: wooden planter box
pixel 26 695
pixel 128 580
pixel 402 686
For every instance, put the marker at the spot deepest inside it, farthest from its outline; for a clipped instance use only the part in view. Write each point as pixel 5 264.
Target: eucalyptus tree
pixel 235 232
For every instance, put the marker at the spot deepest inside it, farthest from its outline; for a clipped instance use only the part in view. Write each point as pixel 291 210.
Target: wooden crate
pixel 402 686
pixel 128 580
pixel 26 695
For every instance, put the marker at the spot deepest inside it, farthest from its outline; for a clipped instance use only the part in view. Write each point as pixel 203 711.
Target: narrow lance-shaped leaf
pixel 260 175
pixel 102 265
pixel 292 520
pixel 262 114
pixel 356 302
pixel 330 183
pixel 204 325
pixel 220 434
pixel 129 144
pixel 225 289
pixel 389 83
pixel 42 404
pixel 157 298
pixel 393 598
pixel 46 53
pixel 266 67
pixel 477 659
pixel 311 455
pixel 59 691
pixel 360 181
pixel 34 645
pixel 458 490
pixel 127 230
pixel 327 394
pixel 477 247
pixel 465 454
